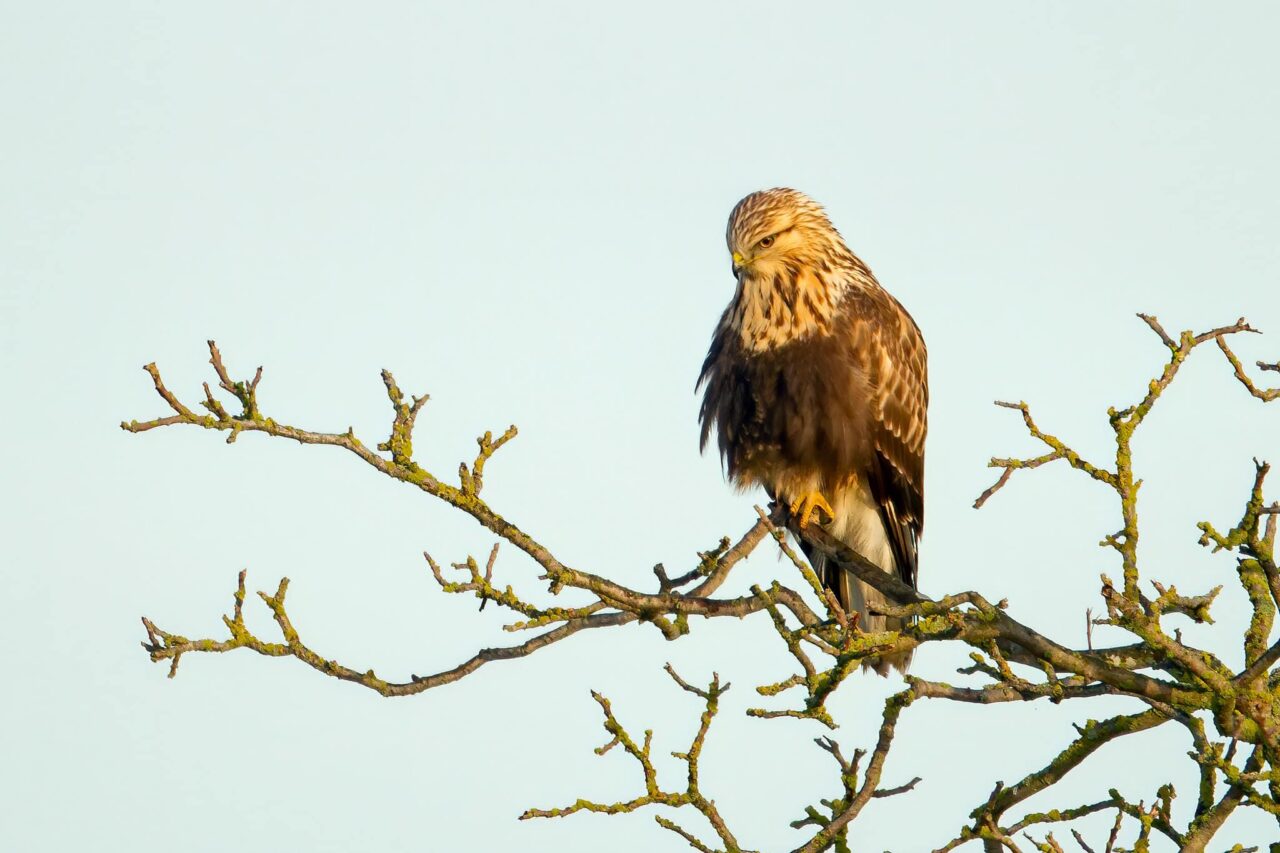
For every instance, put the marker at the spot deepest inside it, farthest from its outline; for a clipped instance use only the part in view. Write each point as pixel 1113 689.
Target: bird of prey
pixel 816 384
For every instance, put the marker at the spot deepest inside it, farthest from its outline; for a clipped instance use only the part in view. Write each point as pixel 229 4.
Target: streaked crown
pixel 768 212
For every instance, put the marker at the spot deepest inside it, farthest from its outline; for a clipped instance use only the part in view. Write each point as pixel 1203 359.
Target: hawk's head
pixel 773 229
pixel 792 267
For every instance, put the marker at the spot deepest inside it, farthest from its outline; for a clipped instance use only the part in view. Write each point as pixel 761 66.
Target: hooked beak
pixel 738 262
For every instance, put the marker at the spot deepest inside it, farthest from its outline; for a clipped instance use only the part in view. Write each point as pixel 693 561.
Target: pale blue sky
pixel 519 208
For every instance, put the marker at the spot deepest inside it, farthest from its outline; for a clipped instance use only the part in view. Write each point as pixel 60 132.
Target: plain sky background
pixel 519 208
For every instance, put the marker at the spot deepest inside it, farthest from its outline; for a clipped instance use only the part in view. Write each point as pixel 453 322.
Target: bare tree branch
pixel 1169 678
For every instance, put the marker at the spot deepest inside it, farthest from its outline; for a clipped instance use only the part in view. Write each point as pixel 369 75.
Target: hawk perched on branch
pixel 816 383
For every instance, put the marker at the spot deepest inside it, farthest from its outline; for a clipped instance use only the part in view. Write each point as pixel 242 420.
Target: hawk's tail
pixel 857 597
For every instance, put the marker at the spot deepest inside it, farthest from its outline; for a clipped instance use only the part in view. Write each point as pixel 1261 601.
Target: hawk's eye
pixel 767 241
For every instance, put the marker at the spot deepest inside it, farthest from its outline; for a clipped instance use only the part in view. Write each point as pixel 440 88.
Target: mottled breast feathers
pixel 847 404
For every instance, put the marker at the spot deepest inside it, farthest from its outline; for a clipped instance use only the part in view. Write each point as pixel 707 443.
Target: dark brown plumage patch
pixel 786 407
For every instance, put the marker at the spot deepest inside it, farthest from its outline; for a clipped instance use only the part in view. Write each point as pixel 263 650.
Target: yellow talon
pixel 804 508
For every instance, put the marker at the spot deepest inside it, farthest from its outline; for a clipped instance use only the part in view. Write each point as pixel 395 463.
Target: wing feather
pixel 888 343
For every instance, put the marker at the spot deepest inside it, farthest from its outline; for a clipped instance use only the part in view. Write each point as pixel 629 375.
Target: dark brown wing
pixel 720 404
pixel 891 349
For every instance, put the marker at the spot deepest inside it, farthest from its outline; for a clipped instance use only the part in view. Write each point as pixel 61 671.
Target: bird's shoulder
pixel 879 329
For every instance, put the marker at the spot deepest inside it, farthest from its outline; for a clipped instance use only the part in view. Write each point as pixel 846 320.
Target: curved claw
pixel 805 508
